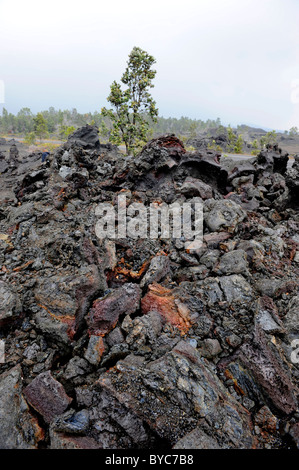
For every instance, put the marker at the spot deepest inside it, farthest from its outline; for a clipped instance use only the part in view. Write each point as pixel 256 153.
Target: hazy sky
pixel 233 59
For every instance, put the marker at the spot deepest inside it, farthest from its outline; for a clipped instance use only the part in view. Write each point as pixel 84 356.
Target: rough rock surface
pixel 142 342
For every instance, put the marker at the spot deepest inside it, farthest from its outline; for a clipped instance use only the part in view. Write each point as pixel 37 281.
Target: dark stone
pixel 106 311
pixel 47 396
pixel 86 137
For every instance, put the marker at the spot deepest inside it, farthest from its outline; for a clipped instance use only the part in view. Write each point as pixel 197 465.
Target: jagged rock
pixel 157 270
pixel 291 319
pixel 236 289
pixel 101 320
pixel 95 350
pixel 277 192
pixel 205 165
pixel 272 160
pixel 233 262
pixel 196 439
pixel 77 367
pixel 168 305
pixel 64 300
pixel 71 422
pixel 213 239
pixel 64 441
pixel 210 348
pixel 292 179
pixel 10 305
pixel 267 316
pixel 47 396
pixel 19 429
pixel 105 311
pixel 195 392
pixel 271 381
pixel 86 137
pixel 223 215
pixel 194 187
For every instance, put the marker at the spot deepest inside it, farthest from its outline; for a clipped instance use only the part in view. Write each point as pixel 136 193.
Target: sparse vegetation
pixel 40 126
pixel 269 139
pixel 132 104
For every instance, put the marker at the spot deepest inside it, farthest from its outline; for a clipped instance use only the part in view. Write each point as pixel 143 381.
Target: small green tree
pixel 69 131
pixel 65 131
pixel 30 138
pixel 239 144
pixel 192 129
pixel 268 139
pixel 255 147
pixel 293 131
pixel 132 106
pixel 40 126
pixel 232 138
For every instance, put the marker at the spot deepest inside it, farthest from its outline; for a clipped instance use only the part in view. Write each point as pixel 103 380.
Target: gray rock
pixel 223 215
pixel 209 258
pixel 210 348
pixel 158 269
pixel 115 337
pixel 77 366
pixel 95 350
pixel 86 137
pixel 189 390
pixel 196 439
pixel 236 289
pixel 291 319
pixel 194 187
pixel 10 305
pixel 234 262
pixel 18 428
pixel 72 422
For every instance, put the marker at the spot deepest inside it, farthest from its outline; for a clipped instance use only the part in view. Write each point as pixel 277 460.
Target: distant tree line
pixel 60 123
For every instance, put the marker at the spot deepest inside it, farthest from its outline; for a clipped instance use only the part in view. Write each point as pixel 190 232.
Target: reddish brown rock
pixel 47 396
pixel 170 142
pixel 171 309
pixel 105 311
pixel 266 420
pixel 64 301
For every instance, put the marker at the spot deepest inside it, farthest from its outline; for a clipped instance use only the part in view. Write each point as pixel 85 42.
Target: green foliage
pixel 255 147
pixel 65 131
pixel 235 143
pixel 239 145
pixel 255 144
pixel 214 146
pixel 40 126
pixel 133 106
pixel 190 148
pixel 193 129
pixel 69 130
pixel 30 138
pixel 293 131
pixel 268 139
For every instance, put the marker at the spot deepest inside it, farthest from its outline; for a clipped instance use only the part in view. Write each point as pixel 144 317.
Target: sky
pixel 233 59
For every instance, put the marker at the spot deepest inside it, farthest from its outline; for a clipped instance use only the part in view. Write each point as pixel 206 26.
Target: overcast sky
pixel 233 59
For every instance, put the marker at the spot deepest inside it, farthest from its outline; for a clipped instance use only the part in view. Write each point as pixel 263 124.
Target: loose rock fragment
pixel 47 396
pixel 106 311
